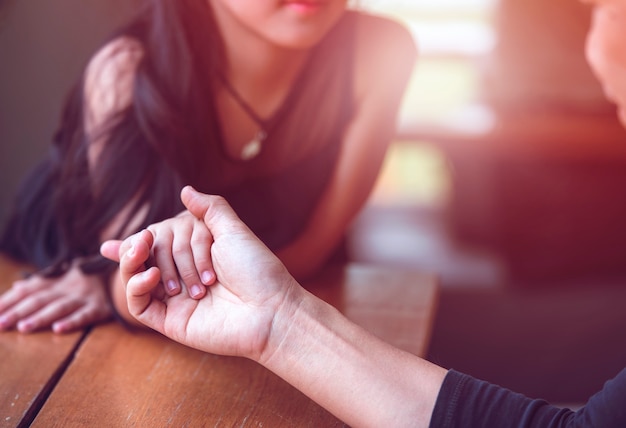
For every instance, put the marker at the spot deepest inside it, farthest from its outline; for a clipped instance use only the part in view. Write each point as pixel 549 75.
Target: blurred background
pixel 505 178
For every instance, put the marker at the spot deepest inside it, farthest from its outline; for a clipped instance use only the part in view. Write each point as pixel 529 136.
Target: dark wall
pixel 44 46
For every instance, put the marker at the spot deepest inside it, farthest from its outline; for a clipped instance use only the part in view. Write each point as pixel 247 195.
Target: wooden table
pixel 111 377
pixel 30 365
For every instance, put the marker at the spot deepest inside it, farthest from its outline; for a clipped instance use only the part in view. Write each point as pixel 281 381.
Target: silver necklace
pixel 253 147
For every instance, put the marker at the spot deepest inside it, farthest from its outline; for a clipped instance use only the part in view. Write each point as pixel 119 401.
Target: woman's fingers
pixel 134 252
pixel 21 289
pixel 80 318
pixel 48 314
pixel 185 263
pixel 141 302
pixel 182 251
pixel 42 302
pixel 139 282
pixel 201 241
pixel 162 253
pixel 111 250
pixel 24 309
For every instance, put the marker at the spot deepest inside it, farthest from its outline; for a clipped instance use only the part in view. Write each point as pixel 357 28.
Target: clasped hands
pixel 233 288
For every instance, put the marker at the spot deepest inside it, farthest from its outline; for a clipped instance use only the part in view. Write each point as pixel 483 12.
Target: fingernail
pixel 207 277
pixel 171 285
pixel 25 326
pixel 4 322
pixel 195 291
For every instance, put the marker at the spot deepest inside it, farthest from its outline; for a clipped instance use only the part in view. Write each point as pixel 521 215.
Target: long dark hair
pixel 153 147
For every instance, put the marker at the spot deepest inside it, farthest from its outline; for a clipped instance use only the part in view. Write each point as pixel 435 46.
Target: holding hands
pixel 181 248
pixel 256 309
pixel 250 286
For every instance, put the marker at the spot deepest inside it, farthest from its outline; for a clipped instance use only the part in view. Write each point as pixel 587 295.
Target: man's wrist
pixel 287 324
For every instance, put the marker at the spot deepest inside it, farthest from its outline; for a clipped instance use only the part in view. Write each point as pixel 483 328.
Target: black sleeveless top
pixel 276 192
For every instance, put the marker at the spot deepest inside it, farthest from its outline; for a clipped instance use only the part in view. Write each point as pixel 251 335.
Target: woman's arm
pixel 75 299
pixel 384 58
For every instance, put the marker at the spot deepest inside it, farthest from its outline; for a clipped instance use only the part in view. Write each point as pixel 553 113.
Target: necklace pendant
pixel 253 147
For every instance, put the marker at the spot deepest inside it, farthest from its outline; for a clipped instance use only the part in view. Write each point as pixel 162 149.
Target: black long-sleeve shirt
pixel 467 402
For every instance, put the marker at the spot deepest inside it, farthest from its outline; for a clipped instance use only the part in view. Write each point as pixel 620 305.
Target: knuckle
pixel 12 296
pixel 189 276
pixel 161 247
pixel 204 262
pixel 179 249
pixel 39 300
pixel 66 306
pixel 218 199
pixel 199 239
pixel 77 319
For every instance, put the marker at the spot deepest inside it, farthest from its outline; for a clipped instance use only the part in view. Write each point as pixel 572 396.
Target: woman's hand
pixel 182 250
pixel 237 314
pixel 67 303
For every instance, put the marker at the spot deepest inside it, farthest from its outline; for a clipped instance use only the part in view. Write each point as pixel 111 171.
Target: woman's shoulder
pixel 385 50
pixel 382 34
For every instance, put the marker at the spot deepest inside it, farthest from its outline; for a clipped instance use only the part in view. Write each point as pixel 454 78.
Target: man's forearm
pixel 353 374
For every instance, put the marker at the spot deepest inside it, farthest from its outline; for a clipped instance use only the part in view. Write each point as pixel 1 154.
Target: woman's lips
pixel 304 7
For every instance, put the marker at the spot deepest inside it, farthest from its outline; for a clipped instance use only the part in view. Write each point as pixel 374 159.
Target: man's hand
pixel 236 315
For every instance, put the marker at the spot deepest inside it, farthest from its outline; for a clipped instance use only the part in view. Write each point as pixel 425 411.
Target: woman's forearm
pixel 353 374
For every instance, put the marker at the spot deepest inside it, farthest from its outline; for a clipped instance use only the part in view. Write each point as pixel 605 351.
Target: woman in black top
pixel 284 107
